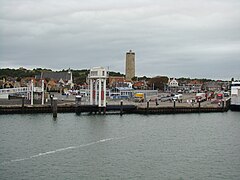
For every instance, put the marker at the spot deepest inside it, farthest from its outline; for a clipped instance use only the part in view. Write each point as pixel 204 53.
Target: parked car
pixel 178 97
pixel 200 97
pixel 139 97
pixel 226 94
pixel 166 98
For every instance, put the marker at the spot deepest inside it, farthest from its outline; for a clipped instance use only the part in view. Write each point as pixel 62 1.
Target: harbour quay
pixel 70 105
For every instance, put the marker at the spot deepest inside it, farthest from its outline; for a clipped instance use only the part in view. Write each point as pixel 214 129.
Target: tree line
pixel 79 76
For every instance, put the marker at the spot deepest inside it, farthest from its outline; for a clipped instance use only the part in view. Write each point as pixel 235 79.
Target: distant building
pixel 194 86
pixel 62 79
pixel 140 85
pixel 212 86
pixel 130 65
pixel 121 93
pixel 2 83
pixel 173 82
pixel 116 81
pixel 8 84
pixel 173 85
pixel 128 84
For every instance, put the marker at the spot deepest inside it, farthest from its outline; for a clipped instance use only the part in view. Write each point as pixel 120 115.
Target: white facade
pixel 173 83
pixel 98 79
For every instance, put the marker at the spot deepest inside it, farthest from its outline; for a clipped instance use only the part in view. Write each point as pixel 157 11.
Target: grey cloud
pixel 174 37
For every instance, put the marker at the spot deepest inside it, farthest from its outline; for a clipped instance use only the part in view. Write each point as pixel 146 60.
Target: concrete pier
pixel 112 109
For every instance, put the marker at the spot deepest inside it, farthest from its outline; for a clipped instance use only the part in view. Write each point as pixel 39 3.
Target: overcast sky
pixel 176 38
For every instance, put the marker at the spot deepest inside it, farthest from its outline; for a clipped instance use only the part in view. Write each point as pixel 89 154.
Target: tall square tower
pixel 130 65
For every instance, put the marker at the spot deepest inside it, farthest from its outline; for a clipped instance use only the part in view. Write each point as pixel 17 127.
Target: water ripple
pixel 62 149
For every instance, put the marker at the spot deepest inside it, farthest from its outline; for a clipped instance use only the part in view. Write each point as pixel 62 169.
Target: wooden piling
pixel 54 107
pixel 199 106
pixel 99 110
pixel 121 108
pixel 147 107
pixel 51 99
pixel 104 110
pixel 78 105
pixel 174 106
pixel 23 104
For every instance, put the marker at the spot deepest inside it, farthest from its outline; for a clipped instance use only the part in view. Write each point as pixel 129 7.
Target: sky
pixel 176 38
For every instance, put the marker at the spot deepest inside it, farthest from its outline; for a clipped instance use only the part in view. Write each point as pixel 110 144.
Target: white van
pixel 178 97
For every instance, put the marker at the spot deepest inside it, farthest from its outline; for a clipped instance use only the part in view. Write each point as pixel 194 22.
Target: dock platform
pixel 109 109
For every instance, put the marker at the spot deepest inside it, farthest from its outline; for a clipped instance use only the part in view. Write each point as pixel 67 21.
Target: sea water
pixel 185 146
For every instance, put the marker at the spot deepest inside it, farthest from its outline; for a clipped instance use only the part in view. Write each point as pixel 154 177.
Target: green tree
pixel 158 82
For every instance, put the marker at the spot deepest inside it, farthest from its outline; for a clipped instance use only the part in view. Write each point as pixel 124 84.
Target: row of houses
pixel 53 81
pixel 120 81
pixel 63 81
pixel 196 85
pixel 173 85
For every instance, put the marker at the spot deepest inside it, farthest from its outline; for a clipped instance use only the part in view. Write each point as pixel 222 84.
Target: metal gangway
pixel 30 90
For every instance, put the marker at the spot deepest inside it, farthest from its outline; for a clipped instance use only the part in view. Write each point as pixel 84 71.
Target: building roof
pixel 65 76
pixel 138 84
pixel 124 88
pixel 195 82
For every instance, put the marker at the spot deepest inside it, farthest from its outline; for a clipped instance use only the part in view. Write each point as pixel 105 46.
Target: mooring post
pixel 42 92
pixel 54 107
pixel 199 106
pixel 77 104
pixel 104 110
pixel 223 104
pixel 51 99
pixel 174 105
pixel 23 97
pixel 121 108
pixel 147 107
pixel 228 103
pixel 99 110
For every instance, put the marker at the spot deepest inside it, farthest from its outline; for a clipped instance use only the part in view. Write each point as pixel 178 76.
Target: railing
pixel 14 90
pixel 37 89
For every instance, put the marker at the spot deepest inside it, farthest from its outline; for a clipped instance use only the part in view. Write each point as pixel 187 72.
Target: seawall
pixel 118 109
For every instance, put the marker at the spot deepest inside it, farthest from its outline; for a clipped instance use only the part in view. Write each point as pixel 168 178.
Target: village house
pixel 121 93
pixel 8 82
pixel 194 86
pixel 173 85
pixel 140 85
pixel 115 81
pixel 215 86
pixel 119 81
pixel 25 82
pixel 58 81
pixel 2 83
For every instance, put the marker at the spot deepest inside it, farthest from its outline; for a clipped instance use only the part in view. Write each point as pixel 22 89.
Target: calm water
pixel 180 147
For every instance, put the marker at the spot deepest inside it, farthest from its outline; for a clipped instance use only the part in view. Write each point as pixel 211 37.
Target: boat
pixel 235 96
